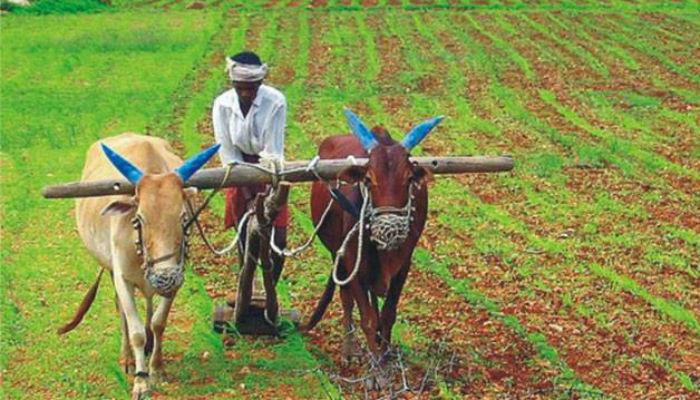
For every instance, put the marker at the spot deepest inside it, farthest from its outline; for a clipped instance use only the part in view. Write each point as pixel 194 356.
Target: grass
pixel 45 7
pixel 625 274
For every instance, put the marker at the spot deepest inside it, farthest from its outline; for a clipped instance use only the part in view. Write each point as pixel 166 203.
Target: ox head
pixel 160 214
pixel 389 173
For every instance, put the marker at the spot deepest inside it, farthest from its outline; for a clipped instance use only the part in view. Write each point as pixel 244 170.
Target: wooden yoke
pixel 295 171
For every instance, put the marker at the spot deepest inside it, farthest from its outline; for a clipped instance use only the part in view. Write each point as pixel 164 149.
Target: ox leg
pixel 368 316
pixel 148 348
pixel 137 334
pixel 369 321
pixel 126 356
pixel 158 323
pixel 388 315
pixel 350 346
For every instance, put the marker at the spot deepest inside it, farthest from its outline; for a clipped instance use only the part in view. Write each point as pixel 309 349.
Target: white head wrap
pixel 245 72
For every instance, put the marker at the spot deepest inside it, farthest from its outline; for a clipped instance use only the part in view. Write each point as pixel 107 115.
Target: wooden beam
pixel 295 171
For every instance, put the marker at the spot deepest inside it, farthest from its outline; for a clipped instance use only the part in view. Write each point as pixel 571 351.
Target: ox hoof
pixel 142 390
pixel 351 350
pixel 353 356
pixel 345 361
pixel 157 376
pixel 377 382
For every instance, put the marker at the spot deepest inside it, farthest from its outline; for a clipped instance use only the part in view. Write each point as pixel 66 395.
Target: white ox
pixel 140 239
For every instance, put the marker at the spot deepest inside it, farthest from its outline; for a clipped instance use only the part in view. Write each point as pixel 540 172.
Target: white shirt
pixel 260 131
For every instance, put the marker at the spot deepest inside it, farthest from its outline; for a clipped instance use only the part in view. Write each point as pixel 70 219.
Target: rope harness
pixel 388 226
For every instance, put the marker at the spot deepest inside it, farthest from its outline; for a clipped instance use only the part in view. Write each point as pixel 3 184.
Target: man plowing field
pixel 369 204
pixel 249 123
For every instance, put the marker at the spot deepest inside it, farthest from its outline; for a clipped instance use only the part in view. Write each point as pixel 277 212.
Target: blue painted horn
pixel 131 172
pixel 419 132
pixel 189 167
pixel 360 130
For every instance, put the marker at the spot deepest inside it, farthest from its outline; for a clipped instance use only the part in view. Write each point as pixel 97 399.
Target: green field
pixel 577 275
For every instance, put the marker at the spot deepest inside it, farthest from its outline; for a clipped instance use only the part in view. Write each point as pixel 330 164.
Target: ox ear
pixel 131 172
pixel 353 174
pixel 419 132
pixel 360 130
pixel 189 167
pixel 421 176
pixel 118 207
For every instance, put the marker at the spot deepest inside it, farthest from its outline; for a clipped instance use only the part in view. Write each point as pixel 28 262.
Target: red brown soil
pixel 654 27
pixel 319 55
pixel 167 6
pixel 477 84
pixel 575 334
pixel 197 5
pixel 650 314
pixel 392 98
pixel 652 66
pixel 464 329
pixel 555 79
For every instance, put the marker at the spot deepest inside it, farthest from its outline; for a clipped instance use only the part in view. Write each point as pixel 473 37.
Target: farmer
pixel 249 122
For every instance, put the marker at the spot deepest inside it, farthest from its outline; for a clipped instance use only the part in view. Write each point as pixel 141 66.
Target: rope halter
pixel 164 281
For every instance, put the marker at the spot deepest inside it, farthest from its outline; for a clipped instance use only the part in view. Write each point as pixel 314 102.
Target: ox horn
pixel 419 132
pixel 131 172
pixel 360 130
pixel 189 167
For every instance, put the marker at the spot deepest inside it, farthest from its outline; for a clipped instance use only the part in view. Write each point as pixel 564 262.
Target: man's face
pixel 246 91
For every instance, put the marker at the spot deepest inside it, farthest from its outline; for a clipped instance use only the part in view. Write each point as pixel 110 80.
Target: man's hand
pixel 247 194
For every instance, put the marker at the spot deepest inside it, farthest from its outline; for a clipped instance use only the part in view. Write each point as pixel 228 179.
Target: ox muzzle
pixel 167 280
pixel 389 226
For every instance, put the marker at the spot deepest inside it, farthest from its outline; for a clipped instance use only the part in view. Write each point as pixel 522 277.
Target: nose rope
pixel 358 227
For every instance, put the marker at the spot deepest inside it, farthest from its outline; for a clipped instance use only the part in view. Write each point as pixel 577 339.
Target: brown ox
pixel 154 219
pixel 391 180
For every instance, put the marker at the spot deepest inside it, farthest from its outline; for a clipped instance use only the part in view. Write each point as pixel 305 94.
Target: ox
pixel 155 219
pixel 397 204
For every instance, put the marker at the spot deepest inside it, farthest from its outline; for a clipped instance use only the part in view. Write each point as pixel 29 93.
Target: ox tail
pixel 321 306
pixel 84 306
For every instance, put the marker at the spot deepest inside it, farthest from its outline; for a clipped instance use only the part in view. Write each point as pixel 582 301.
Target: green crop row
pixel 567 377
pixel 509 96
